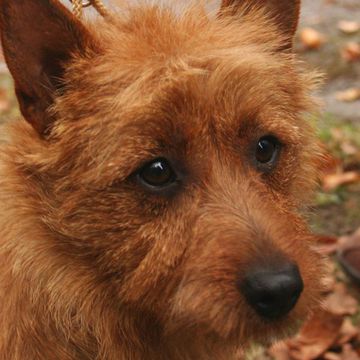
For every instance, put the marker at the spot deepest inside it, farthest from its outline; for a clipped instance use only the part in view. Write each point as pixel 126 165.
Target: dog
pixel 153 190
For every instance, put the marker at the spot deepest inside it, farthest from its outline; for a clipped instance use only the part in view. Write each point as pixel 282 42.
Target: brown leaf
pixel 350 240
pixel 347 332
pixel 348 149
pixel 328 283
pixel 316 336
pixel 348 353
pixel 331 356
pixel 349 253
pixel 337 133
pixel 279 351
pixel 326 244
pixel 327 249
pixel 311 38
pixel 332 181
pixel 340 302
pixel 348 27
pixel 326 239
pixel 349 95
pixel 351 52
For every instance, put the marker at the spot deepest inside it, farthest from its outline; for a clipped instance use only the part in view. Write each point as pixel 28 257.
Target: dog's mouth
pixel 263 307
pixel 238 327
pixel 245 292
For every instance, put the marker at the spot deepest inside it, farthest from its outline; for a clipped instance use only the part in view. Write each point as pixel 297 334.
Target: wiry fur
pixel 95 267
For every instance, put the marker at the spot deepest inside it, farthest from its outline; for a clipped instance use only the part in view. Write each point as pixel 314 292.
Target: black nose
pixel 273 293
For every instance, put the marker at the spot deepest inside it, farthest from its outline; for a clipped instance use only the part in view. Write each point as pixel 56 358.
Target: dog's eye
pixel 267 149
pixel 157 173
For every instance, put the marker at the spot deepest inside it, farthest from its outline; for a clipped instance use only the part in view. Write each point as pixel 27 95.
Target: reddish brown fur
pixel 95 267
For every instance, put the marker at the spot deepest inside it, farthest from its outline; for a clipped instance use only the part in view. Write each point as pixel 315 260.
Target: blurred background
pixel 328 40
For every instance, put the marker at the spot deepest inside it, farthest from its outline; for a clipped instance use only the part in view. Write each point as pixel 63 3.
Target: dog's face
pixel 171 159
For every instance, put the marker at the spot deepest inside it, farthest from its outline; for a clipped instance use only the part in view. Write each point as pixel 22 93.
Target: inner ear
pixel 39 39
pixel 285 13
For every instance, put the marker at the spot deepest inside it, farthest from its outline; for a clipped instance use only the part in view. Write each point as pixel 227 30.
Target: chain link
pixel 79 5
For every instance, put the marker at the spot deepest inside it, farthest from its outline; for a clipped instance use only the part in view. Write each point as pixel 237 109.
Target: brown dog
pixel 151 196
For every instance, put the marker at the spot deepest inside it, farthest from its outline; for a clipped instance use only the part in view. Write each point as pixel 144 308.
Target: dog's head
pixel 169 159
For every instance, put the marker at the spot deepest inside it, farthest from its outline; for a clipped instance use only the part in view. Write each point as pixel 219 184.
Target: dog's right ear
pixel 39 37
pixel 285 13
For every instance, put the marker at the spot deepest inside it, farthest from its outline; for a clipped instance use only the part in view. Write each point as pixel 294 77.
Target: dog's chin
pixel 240 338
pixel 277 330
pixel 266 332
pixel 234 326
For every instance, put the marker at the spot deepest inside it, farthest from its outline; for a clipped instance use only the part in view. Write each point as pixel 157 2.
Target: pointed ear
pixel 39 37
pixel 284 12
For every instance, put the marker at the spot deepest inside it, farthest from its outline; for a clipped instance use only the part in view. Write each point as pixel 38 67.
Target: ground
pixel 336 212
pixel 334 49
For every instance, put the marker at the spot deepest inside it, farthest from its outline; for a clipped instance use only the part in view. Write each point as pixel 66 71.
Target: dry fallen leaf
pixel 337 133
pixel 350 240
pixel 328 279
pixel 351 52
pixel 279 351
pixel 331 356
pixel 348 95
pixel 326 245
pixel 328 282
pixel 332 181
pixel 347 332
pixel 340 302
pixel 311 38
pixel 326 239
pixel 348 149
pixel 316 336
pixel 348 353
pixel 327 249
pixel 348 27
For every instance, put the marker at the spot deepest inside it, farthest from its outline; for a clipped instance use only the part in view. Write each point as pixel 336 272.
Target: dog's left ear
pixel 39 39
pixel 284 12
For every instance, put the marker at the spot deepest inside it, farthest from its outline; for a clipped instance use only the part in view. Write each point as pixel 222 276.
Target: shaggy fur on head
pixel 93 265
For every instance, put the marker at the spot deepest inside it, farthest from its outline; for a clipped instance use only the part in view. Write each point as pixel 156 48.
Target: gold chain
pixel 98 5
